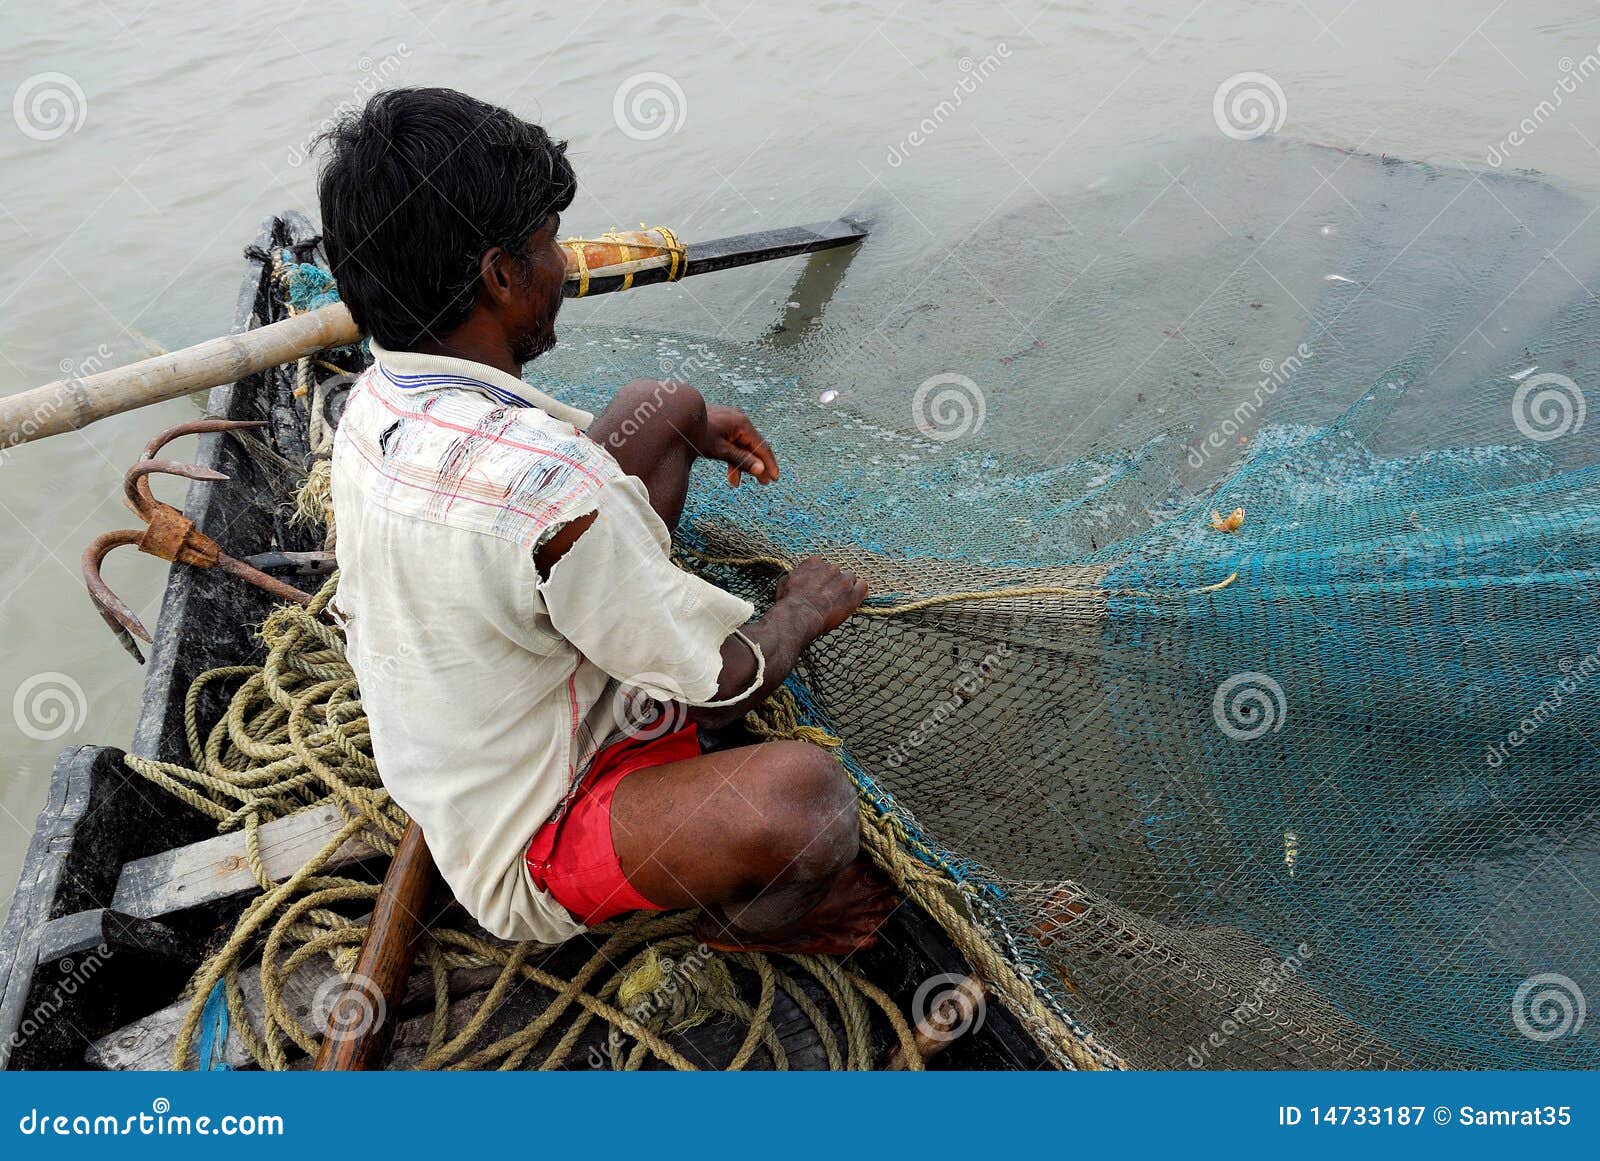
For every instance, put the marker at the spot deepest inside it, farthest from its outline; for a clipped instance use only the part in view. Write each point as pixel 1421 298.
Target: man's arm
pixel 812 601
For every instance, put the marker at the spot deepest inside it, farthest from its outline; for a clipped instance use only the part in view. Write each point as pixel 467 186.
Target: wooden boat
pixel 125 889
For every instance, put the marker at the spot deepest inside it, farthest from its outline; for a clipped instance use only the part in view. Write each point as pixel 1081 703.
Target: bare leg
pixel 765 838
pixel 647 428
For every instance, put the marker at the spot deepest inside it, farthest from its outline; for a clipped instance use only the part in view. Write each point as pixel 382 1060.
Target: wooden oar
pixel 363 1018
pixel 70 404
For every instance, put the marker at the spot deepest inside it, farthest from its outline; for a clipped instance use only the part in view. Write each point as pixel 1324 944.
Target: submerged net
pixel 1316 792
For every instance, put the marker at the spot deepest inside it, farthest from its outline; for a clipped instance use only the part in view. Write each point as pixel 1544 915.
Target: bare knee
pixel 652 404
pixel 805 823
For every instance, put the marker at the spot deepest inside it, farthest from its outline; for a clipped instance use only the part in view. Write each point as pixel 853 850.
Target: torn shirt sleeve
pixel 619 599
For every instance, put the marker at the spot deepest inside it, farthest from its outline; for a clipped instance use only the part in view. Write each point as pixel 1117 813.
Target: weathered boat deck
pixel 124 889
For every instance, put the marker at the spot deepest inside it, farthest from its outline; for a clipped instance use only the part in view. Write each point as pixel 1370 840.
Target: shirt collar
pixel 414 371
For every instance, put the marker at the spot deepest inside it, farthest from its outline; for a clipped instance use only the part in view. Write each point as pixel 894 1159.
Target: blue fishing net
pixel 1321 790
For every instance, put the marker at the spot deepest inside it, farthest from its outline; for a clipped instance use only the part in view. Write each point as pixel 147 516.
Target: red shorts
pixel 574 857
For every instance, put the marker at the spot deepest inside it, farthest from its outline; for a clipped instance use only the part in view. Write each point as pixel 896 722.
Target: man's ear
pixel 495 274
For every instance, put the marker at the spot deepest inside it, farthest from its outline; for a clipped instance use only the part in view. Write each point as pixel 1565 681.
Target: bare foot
pixel 846 920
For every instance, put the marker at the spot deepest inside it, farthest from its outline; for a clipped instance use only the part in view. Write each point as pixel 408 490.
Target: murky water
pixel 146 141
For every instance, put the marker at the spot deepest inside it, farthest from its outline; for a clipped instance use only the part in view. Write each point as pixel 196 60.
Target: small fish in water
pixel 1291 850
pixel 1232 522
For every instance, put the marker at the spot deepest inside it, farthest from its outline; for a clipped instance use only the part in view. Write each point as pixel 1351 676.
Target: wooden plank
pixel 42 870
pixel 146 1045
pixel 105 933
pixel 216 868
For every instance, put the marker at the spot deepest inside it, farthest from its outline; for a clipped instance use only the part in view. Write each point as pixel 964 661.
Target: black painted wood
pixel 740 250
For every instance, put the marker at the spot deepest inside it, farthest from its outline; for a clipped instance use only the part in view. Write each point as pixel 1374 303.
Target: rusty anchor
pixel 168 534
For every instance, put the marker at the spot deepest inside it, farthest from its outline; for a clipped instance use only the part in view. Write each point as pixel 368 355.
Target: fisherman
pixel 507 593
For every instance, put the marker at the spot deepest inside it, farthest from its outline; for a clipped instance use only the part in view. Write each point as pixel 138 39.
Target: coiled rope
pixel 294 736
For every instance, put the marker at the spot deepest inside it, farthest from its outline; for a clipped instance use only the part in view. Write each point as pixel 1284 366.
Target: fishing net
pixel 1313 792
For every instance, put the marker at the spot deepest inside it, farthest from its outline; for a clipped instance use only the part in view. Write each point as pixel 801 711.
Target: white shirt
pixel 489 689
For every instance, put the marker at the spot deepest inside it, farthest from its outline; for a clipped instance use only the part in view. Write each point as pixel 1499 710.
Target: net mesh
pixel 1340 810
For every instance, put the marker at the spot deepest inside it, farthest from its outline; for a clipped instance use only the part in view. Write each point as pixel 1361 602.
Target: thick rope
pixel 294 737
pixel 782 564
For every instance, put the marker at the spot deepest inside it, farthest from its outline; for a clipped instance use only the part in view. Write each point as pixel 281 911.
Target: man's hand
pixel 814 599
pixel 829 591
pixel 733 439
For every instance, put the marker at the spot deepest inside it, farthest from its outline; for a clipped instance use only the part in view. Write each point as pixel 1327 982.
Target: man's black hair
pixel 418 184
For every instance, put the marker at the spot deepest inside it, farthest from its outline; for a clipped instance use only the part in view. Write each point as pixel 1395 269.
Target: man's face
pixel 533 330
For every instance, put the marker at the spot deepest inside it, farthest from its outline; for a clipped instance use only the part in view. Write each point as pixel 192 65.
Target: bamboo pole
pixel 69 404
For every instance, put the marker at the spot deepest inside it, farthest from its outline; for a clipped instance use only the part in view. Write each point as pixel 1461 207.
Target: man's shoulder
pixel 459 459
